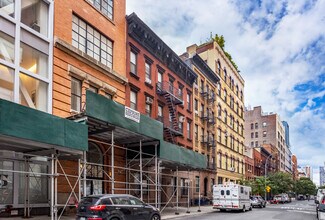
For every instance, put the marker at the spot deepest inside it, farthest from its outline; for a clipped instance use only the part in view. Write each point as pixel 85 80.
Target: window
pixel 225 95
pixel 256 143
pixel 226 139
pixel 93 89
pixel 188 128
pixel 196 132
pixel 225 75
pixel 105 6
pixel 107 95
pixel 7 7
pixel 202 86
pixel 188 99
pixel 202 110
pixel 219 111
pixel 256 125
pixel 133 63
pixel 220 182
pixel 6 83
pixel 7 43
pixel 256 134
pixel 34 14
pixel 218 67
pixel 133 100
pixel 148 72
pixel 220 160
pixel 34 61
pixel 219 135
pixel 160 77
pixel 264 124
pixel 184 187
pixel 226 116
pixel 196 105
pixel 252 126
pixel 219 88
pixel 264 133
pixel 91 42
pixel 180 123
pixel 148 109
pixel 197 184
pixel 75 94
pixel 212 184
pixel 252 144
pixel 227 192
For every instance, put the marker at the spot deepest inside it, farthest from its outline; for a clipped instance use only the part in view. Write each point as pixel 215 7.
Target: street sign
pixel 268 189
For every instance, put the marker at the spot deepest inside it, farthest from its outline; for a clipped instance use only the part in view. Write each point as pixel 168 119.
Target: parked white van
pixel 231 196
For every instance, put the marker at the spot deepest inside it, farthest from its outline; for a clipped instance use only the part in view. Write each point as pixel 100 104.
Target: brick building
pixel 294 167
pixel 262 128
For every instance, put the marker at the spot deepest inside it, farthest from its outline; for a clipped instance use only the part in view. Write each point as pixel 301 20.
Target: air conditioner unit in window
pixel 196 112
pixel 149 100
pixel 232 169
pixel 148 80
pixel 181 118
pixel 196 87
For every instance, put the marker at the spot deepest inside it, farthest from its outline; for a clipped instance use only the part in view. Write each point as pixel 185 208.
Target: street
pixel 297 210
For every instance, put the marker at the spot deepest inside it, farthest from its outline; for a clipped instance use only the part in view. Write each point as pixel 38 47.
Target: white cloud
pixel 271 48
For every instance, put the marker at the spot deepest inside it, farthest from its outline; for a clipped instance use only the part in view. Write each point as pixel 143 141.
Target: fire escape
pixel 172 97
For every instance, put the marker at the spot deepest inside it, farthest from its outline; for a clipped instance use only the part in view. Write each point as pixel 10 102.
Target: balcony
pixel 175 130
pixel 204 93
pixel 208 140
pixel 209 117
pixel 166 88
pixel 211 97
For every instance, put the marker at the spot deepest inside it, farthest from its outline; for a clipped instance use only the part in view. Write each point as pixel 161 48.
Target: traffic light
pixel 268 189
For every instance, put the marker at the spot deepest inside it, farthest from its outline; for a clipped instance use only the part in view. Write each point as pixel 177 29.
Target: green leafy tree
pixel 305 186
pixel 321 187
pixel 281 182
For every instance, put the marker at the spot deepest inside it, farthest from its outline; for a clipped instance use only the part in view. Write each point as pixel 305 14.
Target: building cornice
pixel 205 69
pixel 141 33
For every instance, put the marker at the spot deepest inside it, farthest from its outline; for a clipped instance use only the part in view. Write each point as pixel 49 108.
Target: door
pixel 123 206
pixel 205 186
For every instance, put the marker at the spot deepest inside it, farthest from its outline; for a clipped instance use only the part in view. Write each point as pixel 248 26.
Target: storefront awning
pixel 29 127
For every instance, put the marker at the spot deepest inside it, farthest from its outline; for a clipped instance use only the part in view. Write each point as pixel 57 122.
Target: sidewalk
pixel 169 213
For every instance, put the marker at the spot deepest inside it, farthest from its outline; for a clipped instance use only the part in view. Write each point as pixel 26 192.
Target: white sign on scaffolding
pixel 132 114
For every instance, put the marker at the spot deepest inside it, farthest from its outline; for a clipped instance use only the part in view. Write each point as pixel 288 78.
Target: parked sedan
pixel 258 201
pixel 115 207
pixel 279 199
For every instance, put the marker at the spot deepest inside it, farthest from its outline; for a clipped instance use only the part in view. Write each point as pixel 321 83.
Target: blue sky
pixel 278 45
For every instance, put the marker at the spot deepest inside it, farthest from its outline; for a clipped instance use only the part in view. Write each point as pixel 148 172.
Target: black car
pixel 115 207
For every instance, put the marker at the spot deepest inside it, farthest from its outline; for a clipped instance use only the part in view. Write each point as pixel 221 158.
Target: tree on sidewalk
pixel 281 182
pixel 305 186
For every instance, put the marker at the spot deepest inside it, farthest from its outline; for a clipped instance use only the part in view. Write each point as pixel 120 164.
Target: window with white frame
pixel 188 128
pixel 133 62
pixel 92 42
pixel 188 99
pixel 148 72
pixel 197 184
pixel 34 14
pixel 105 6
pixel 76 94
pixel 133 100
pixel 7 7
pixel 196 130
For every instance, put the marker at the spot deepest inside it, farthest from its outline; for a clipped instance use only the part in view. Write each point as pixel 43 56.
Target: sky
pixel 279 47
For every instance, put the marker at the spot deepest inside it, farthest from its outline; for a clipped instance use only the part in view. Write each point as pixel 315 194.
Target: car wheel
pixel 251 208
pixel 261 206
pixel 244 209
pixel 155 217
pixel 222 210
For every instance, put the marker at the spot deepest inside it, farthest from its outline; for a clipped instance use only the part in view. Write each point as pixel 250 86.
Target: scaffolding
pixel 158 182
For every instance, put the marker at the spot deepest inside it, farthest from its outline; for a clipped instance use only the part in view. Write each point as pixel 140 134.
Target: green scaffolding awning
pixel 107 110
pixel 182 156
pixel 21 122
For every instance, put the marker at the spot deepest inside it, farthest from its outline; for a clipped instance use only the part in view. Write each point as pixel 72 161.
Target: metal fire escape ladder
pixel 174 123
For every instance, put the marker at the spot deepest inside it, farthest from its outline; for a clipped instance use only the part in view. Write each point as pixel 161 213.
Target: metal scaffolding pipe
pixel 188 192
pixel 141 186
pixel 176 213
pixel 52 187
pixel 199 210
pixel 112 163
pixel 156 177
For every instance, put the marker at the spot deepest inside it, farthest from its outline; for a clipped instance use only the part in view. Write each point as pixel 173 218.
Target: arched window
pixel 225 76
pixel 94 171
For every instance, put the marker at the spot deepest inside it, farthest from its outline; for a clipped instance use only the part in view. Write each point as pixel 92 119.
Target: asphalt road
pixel 297 210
